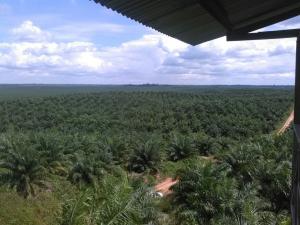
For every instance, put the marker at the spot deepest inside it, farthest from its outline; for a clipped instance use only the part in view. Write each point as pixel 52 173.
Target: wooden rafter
pixel 237 36
pixel 216 10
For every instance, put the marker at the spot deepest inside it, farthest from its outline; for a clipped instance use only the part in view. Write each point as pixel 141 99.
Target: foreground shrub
pixel 112 202
pixel 203 193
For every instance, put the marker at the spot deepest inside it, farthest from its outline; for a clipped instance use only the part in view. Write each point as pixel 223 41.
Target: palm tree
pixel 21 169
pixel 113 202
pixel 82 172
pixel 115 147
pixel 243 161
pixel 52 153
pixel 146 156
pixel 259 163
pixel 203 193
pixel 181 147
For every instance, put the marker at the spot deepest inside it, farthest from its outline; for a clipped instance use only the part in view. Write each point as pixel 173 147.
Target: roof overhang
pixel 198 21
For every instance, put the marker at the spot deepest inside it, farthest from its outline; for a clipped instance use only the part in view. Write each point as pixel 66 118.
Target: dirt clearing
pixel 287 124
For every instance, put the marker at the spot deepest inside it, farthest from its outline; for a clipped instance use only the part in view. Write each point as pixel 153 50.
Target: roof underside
pixel 198 21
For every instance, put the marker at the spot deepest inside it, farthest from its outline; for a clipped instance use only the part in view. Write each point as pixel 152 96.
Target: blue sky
pixel 80 42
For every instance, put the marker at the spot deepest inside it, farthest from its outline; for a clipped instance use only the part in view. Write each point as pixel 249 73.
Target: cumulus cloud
pixel 27 31
pixel 38 56
pixel 219 58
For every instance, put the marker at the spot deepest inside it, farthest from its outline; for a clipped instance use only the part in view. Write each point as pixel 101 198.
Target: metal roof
pixel 198 21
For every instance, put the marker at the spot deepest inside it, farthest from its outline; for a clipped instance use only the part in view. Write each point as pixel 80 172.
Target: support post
pixel 297 84
pixel 295 195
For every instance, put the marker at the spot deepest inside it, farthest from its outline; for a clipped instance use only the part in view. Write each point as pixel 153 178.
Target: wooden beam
pixel 216 10
pixel 251 24
pixel 293 33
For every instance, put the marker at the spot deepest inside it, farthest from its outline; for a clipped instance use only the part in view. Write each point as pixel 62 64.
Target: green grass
pixel 35 211
pixel 44 209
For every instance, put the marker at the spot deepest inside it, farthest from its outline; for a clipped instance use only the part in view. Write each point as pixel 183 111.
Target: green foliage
pixel 146 156
pixel 112 202
pixel 87 169
pixel 41 210
pixel 51 153
pixel 117 148
pixel 180 148
pixel 230 170
pixel 21 168
pixel 267 163
pixel 82 173
pixel 203 193
pixel 232 112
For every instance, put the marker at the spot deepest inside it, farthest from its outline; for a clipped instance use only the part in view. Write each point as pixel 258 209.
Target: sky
pixel 81 42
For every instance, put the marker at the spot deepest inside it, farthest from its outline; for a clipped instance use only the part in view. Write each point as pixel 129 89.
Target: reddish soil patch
pixel 164 186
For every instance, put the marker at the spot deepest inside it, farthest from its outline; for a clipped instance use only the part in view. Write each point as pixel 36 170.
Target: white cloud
pixel 270 62
pixel 37 56
pixel 51 56
pixel 27 31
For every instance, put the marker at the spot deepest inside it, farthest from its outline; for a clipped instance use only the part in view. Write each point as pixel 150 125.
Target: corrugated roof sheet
pixel 189 21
